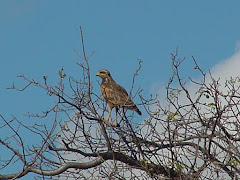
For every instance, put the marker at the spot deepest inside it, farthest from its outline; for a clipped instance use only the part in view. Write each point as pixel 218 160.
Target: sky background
pixel 37 39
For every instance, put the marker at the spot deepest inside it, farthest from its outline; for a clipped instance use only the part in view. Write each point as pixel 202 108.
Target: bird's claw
pixel 116 124
pixel 108 123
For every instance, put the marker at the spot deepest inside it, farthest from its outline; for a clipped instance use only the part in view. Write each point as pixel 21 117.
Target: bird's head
pixel 103 73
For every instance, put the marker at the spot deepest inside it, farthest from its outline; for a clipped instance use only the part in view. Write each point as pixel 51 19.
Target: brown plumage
pixel 115 95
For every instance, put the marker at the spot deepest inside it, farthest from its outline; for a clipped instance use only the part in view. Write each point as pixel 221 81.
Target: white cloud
pixel 237 48
pixel 229 67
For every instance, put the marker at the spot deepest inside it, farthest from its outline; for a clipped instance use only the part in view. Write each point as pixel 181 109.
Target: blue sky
pixel 38 37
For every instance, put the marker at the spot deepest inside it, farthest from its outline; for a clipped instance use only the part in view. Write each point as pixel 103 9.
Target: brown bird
pixel 115 95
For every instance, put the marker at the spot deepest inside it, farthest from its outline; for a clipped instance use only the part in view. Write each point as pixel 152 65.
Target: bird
pixel 115 95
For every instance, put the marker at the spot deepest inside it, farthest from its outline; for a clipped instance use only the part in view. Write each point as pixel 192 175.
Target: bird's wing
pixel 123 98
pixel 121 90
pixel 115 94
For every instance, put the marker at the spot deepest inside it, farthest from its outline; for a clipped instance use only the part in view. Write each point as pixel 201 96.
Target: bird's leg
pixel 109 114
pixel 116 123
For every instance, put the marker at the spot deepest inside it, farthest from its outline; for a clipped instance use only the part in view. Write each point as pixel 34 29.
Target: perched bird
pixel 115 95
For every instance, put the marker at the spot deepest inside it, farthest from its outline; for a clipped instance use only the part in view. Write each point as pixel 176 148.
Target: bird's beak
pixel 97 74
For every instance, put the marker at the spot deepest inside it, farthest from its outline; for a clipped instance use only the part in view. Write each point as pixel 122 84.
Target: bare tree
pixel 188 135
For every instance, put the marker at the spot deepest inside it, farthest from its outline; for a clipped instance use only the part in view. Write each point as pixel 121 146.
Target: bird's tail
pixel 137 110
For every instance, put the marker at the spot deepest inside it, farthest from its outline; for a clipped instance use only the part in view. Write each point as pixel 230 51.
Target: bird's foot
pixel 107 122
pixel 116 124
pixel 112 125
